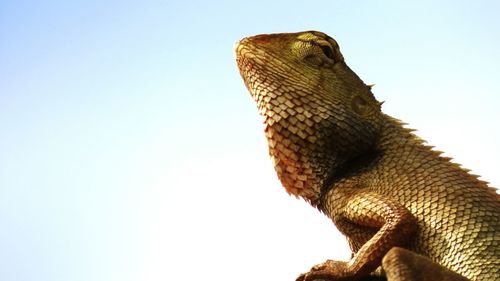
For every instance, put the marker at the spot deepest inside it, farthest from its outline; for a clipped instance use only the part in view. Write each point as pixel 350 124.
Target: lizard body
pixel 379 183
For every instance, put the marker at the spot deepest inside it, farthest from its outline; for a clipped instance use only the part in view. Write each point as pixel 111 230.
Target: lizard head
pixel 318 114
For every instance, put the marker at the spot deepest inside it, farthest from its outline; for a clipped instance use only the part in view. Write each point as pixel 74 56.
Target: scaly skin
pixel 384 189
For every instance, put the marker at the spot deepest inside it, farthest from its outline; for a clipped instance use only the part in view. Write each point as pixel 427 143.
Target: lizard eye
pixel 327 50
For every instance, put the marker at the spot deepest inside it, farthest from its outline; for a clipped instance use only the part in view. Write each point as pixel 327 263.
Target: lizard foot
pixel 327 271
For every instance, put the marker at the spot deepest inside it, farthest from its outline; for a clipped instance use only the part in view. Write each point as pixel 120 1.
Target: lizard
pixel 408 212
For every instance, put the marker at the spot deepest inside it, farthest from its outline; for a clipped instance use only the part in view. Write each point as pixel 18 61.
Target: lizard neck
pixel 398 151
pixel 396 139
pixel 405 154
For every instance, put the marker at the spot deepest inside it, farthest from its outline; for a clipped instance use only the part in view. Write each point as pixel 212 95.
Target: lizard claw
pixel 328 271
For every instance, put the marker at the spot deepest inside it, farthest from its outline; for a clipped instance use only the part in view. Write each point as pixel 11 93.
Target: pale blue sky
pixel 131 149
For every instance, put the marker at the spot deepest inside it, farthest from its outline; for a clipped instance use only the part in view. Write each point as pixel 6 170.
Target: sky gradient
pixel 131 150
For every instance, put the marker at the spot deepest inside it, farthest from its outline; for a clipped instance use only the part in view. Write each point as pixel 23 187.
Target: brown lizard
pixel 408 213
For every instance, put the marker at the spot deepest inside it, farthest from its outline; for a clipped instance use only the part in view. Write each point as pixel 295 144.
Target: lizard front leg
pixel 404 265
pixel 363 210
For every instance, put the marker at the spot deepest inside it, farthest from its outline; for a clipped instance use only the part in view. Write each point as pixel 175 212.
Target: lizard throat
pixel 298 129
pixel 295 163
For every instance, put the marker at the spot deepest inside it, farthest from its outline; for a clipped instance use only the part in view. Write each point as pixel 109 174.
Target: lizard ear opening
pixel 359 105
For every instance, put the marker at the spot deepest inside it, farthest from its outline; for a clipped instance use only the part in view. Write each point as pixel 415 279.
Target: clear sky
pixel 131 150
